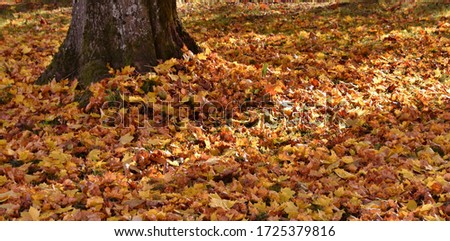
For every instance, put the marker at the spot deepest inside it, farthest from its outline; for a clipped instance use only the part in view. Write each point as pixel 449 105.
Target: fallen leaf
pixel 126 139
pixel 411 205
pixel 34 214
pixel 343 174
pixel 217 202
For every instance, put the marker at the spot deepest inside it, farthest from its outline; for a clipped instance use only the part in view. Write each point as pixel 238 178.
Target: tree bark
pixel 118 33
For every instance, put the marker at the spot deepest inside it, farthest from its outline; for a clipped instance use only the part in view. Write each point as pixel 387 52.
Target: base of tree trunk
pixel 118 33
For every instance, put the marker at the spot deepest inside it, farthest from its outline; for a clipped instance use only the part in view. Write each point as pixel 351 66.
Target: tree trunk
pixel 118 33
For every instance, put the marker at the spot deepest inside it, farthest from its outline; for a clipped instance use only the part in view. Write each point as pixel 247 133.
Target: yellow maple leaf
pixel 127 158
pixel 411 205
pixel 136 99
pixel 94 155
pixel 57 158
pixel 323 201
pixel 151 97
pixel 260 206
pixel 339 68
pixel 291 209
pixel 34 213
pixel 24 155
pixel 202 56
pixel 339 192
pixel 320 55
pixel 286 194
pixel 7 195
pixel 303 34
pixel 348 19
pixel 330 159
pixel 30 178
pixel 26 50
pixel 94 202
pixel 126 139
pixel 19 99
pixel 217 201
pixel 3 180
pixel 347 159
pixel 127 70
pixel 343 174
pixel 166 66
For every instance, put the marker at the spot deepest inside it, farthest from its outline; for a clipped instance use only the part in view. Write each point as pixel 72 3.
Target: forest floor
pixel 292 112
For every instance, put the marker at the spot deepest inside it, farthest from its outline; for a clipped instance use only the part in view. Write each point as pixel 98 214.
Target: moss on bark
pixel 91 72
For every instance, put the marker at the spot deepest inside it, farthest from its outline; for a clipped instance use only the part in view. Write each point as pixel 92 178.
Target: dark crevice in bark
pixel 153 19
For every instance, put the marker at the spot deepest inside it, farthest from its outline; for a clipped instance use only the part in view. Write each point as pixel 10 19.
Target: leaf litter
pixel 290 113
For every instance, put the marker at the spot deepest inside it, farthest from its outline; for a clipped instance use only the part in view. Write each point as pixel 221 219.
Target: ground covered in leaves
pixel 292 112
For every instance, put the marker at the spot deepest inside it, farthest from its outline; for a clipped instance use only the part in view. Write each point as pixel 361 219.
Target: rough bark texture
pixel 118 33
